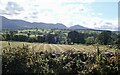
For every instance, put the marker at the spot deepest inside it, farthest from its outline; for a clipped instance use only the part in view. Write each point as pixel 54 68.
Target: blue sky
pixel 89 13
pixel 109 9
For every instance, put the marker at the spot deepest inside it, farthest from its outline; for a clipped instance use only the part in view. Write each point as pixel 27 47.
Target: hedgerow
pixel 22 60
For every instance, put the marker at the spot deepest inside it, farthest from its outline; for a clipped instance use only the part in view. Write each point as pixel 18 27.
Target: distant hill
pixel 13 24
pixel 21 24
pixel 78 27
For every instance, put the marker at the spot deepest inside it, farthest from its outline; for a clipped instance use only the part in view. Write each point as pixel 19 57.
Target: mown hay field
pixel 57 47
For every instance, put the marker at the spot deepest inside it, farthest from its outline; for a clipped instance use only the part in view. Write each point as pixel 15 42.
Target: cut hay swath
pixel 55 47
pixel 52 48
pixel 58 48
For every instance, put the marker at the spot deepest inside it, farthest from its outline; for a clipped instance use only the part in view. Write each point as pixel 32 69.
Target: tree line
pixel 72 37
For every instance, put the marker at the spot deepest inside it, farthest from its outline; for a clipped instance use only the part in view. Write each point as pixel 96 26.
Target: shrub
pixel 26 61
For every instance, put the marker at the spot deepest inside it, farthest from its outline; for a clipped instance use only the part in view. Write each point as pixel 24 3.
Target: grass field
pixel 57 47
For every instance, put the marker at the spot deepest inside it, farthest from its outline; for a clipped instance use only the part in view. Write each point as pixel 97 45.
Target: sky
pixel 102 14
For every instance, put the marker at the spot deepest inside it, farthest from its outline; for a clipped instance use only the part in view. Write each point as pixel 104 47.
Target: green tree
pixel 8 37
pixel 81 38
pixel 90 40
pixel 118 41
pixel 20 38
pixel 104 37
pixel 12 33
pixel 40 39
pixel 50 38
pixel 32 39
pixel 28 34
pixel 75 37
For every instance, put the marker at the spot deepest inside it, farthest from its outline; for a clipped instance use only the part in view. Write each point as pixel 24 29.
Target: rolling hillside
pixel 15 24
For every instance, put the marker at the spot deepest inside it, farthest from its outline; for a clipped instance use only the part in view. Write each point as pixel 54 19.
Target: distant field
pixel 56 47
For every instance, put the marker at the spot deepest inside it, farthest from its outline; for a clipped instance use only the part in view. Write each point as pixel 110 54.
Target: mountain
pixel 21 24
pixel 13 24
pixel 78 27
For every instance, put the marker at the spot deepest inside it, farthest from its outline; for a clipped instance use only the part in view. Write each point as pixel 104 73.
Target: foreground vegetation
pixel 54 52
pixel 26 61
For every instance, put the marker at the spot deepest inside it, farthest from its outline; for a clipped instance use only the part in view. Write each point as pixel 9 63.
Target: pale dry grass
pixel 56 47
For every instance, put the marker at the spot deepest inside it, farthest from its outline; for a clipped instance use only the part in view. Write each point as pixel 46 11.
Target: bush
pixel 23 60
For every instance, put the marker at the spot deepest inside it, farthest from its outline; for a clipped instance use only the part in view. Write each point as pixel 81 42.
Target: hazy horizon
pixel 87 13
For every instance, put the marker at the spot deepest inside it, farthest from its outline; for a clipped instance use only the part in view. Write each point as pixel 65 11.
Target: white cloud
pixel 68 12
pixel 107 24
pixel 100 14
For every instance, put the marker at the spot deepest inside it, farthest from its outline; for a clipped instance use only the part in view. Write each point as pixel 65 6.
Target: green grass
pixel 57 47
